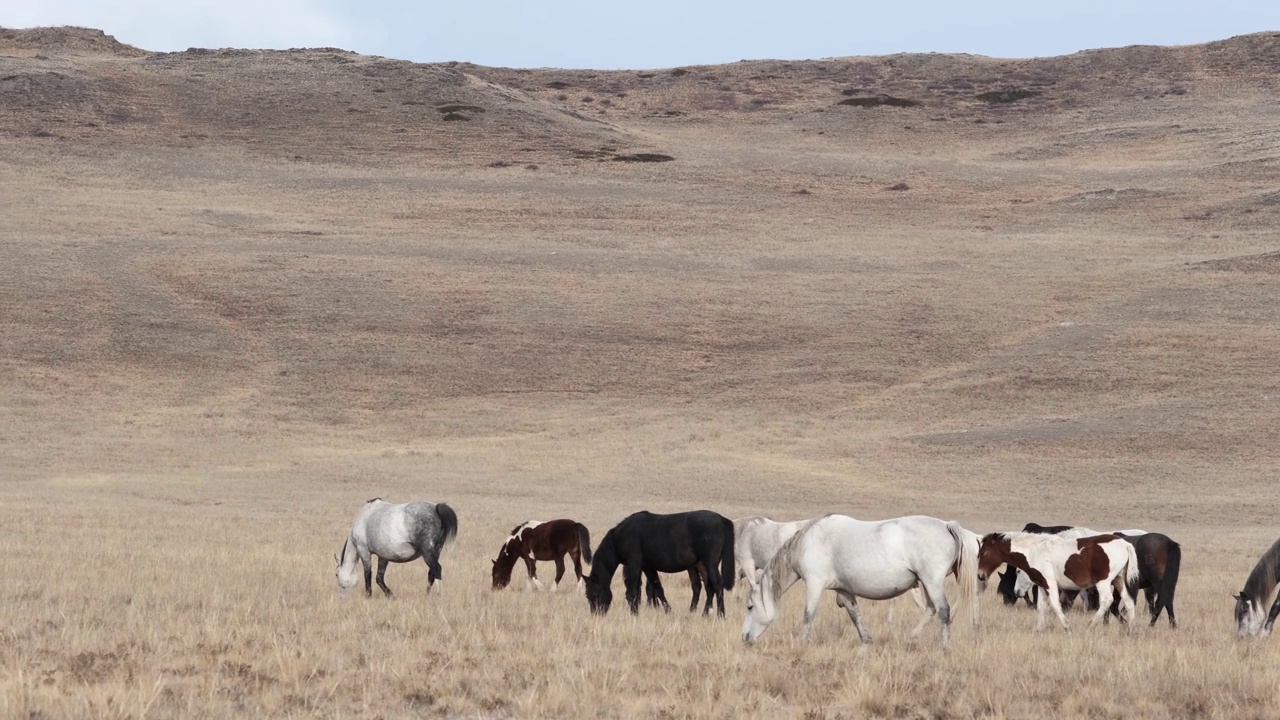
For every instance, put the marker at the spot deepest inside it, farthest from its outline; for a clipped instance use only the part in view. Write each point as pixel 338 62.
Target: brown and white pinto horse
pixel 1106 562
pixel 536 540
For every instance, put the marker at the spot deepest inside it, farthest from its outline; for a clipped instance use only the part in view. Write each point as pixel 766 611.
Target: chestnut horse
pixel 536 540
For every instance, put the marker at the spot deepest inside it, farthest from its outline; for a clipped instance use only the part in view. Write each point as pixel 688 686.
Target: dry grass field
pixel 241 292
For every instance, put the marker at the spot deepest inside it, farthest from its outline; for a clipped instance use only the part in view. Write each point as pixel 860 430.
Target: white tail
pixel 967 568
pixel 1131 572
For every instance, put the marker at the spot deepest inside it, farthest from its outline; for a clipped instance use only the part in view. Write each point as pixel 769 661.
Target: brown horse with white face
pixel 534 540
pixel 1052 562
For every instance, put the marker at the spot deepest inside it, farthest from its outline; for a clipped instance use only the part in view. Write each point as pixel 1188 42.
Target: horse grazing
pixel 534 540
pixel 1053 562
pixel 647 543
pixel 873 560
pixel 1159 559
pixel 395 533
pixel 1262 580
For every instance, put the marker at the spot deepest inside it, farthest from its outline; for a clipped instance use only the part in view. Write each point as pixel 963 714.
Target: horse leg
pixel 576 555
pixel 1054 603
pixel 367 562
pixel 559 573
pixel 631 578
pixel 435 573
pixel 850 604
pixel 812 598
pixel 937 597
pixel 382 571
pixel 1128 603
pixel 1271 618
pixel 715 587
pixel 695 584
pixel 921 596
pixel 653 590
pixel 533 573
pixel 1104 602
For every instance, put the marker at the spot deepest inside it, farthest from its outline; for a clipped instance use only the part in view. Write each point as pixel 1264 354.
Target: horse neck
pixel 780 574
pixel 1262 580
pixel 507 560
pixel 605 562
pixel 349 557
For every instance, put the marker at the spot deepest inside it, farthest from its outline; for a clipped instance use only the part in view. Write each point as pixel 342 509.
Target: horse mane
pixel 523 526
pixel 606 555
pixel 787 554
pixel 372 500
pixel 741 524
pixel 343 559
pixel 1265 575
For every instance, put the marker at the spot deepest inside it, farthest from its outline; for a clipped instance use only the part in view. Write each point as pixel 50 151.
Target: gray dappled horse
pixel 395 533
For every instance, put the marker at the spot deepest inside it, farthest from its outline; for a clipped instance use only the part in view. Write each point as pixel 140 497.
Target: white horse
pixel 395 533
pixel 873 560
pixel 1054 562
pixel 757 540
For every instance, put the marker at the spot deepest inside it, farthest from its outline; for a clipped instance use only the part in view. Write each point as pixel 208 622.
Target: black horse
pixel 645 543
pixel 1159 559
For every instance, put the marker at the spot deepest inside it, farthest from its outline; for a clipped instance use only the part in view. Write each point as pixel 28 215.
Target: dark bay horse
pixel 645 543
pixel 544 541
pixel 1159 559
pixel 1249 603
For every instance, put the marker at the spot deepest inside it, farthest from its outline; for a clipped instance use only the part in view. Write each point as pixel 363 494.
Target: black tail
pixel 584 542
pixel 1168 584
pixel 448 525
pixel 728 575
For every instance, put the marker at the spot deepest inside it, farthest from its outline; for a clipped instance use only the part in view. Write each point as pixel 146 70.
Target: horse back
pixel 1095 559
pixel 671 543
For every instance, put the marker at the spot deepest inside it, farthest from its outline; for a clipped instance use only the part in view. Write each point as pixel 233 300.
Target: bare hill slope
pixel 1078 265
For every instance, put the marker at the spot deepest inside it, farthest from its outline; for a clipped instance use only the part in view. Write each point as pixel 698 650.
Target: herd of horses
pixel 1048 567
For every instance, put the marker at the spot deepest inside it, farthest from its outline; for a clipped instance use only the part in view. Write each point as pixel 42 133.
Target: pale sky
pixel 614 34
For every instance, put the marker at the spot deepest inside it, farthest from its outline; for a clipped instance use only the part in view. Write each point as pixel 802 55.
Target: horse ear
pixel 495 562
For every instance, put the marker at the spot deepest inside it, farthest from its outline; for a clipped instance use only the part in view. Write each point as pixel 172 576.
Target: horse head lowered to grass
pixel 1250 618
pixel 534 540
pixel 646 543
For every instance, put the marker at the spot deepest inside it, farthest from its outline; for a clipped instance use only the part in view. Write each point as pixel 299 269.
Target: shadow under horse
pixel 646 543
